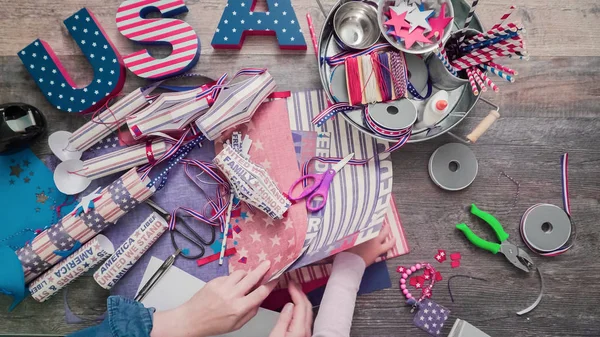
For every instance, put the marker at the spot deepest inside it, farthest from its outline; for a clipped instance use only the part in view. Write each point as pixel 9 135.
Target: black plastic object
pixel 20 124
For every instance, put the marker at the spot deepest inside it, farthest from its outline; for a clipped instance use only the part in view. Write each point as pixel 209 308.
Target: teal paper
pixel 28 201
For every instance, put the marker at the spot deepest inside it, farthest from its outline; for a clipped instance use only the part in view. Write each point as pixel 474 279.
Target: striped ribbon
pixel 341 57
pixel 564 162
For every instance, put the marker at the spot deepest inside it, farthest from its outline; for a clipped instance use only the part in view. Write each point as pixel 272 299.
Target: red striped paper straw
pixel 313 36
pixel 478 79
pixel 503 68
pixel 486 79
pixel 492 33
pixel 505 17
pixel 472 82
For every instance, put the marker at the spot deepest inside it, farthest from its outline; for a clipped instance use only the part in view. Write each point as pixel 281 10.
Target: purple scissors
pixel 320 185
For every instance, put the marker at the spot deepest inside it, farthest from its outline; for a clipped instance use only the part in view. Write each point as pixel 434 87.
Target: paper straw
pixel 313 36
pixel 69 269
pixel 236 105
pixel 497 72
pixel 487 43
pixel 479 81
pixel 503 68
pixel 107 121
pixel 504 17
pixel 130 251
pixel 470 60
pixel 226 229
pixel 123 159
pixel 468 20
pixel 56 242
pixel 472 82
pixel 486 79
pixel 492 33
pixel 441 55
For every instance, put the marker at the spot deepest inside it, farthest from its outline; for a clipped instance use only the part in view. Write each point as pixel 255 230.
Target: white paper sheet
pixel 177 286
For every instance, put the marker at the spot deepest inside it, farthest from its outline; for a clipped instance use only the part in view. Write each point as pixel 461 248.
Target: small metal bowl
pixel 355 24
pixel 384 6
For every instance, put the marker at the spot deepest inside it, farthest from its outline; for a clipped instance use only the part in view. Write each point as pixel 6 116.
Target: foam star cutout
pixel 418 18
pixel 416 35
pixel 397 21
pixel 403 7
pixel 439 23
pixel 87 202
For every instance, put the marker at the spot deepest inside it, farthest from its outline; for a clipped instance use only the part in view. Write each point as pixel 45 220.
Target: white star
pixel 226 21
pixel 428 304
pixel 243 4
pixel 442 254
pixel 255 236
pixel 426 325
pixel 268 13
pixel 49 93
pixel 82 41
pixel 429 318
pixel 284 13
pixel 43 68
pixel 34 54
pixel 242 22
pixel 234 13
pixel 93 103
pixel 225 38
pixel 276 4
pixel 105 46
pixel 276 21
pixel 69 110
pixel 218 30
pixel 96 33
pixel 234 30
pixel 293 21
pixel 51 82
pixel 92 55
pixel 74 28
pixel 251 13
pixel 23 52
pixel 112 72
pixel 243 252
pixel 284 30
pixel 261 256
pixel 266 164
pixel 258 22
pixel 93 44
pixel 58 107
pixel 275 241
pixel 54 71
pixel 82 100
pixel 76 17
pixel 101 69
pixel 426 311
pixel 63 85
pixel 418 18
pixel 85 31
pixel 278 258
pixel 45 57
pixel 60 96
pixel 98 80
pixel 114 60
pixel 72 99
pixel 36 43
pixel 84 89
pixel 109 82
pixel 289 223
pixel 292 38
pixel 96 92
pixel 103 58
pixel 87 19
pixel 32 66
pixel 269 222
pixel 434 311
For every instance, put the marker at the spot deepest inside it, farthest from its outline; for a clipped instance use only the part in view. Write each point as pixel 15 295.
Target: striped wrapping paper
pixel 49 247
pixel 236 104
pixel 114 116
pixel 170 111
pixel 123 159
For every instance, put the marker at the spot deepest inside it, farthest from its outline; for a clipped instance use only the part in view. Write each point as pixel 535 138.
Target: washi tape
pixel 453 166
pixel 82 260
pixel 545 228
pixel 130 251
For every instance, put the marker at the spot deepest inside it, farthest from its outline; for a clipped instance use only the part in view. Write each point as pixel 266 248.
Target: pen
pixel 157 276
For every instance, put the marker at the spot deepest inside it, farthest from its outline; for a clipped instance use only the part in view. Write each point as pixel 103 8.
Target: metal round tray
pixel 461 100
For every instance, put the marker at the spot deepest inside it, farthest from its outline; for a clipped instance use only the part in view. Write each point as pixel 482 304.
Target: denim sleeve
pixel 125 318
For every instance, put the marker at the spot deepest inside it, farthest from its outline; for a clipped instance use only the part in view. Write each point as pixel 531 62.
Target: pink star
pixel 401 269
pixel 398 21
pixel 439 23
pixel 415 36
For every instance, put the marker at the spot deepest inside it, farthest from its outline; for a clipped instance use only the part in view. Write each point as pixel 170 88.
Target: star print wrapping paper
pixel 261 237
pixel 49 247
pixel 431 317
pixel 69 269
pixel 239 20
pixel 182 38
pixel 56 84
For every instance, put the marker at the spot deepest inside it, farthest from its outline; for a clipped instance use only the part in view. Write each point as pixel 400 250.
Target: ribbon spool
pixel 546 229
pixel 453 167
pixel 393 119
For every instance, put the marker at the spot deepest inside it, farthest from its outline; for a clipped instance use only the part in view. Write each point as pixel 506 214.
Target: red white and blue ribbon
pixel 341 57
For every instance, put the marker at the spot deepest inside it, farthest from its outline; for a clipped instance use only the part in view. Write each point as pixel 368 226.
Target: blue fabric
pixel 126 318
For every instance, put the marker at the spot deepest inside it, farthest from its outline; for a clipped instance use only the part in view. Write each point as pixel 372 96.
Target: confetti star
pixel 225 38
pixel 105 46
pixel 438 24
pixel 258 22
pixel 26 180
pixel 82 41
pixel 284 30
pixel 16 170
pixel 276 21
pixel 418 18
pixel 416 35
pixel 96 33
pixel 85 31
pixel 397 21
pixel 234 30
pixel 226 21
pixel 242 22
pixel 284 13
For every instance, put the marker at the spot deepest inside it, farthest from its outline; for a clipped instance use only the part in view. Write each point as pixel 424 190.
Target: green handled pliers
pixel 517 256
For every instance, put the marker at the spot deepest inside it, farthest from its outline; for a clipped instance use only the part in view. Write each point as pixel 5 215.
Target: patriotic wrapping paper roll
pixel 236 104
pixel 131 22
pixel 51 245
pixel 130 251
pixel 107 122
pixel 171 111
pixel 251 183
pixel 123 159
pixel 84 259
pixel 54 81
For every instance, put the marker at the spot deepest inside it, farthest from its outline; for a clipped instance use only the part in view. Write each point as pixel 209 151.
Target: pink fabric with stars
pixel 261 237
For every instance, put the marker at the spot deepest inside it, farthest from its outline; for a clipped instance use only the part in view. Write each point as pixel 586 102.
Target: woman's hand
pixel 372 249
pixel 295 319
pixel 223 305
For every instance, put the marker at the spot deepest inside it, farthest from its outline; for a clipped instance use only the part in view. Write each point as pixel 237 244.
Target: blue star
pixel 216 246
pixel 244 215
pixel 86 265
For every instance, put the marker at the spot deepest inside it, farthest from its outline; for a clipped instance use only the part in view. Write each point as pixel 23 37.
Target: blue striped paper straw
pixel 497 72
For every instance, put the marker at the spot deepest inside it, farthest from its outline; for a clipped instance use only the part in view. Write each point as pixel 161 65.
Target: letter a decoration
pixel 180 35
pixel 239 20
pixel 56 84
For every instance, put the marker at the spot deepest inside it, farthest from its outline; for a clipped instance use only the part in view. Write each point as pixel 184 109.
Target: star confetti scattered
pixel 16 170
pixel 41 197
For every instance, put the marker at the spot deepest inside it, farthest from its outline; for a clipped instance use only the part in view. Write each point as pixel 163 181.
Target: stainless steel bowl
pixel 355 24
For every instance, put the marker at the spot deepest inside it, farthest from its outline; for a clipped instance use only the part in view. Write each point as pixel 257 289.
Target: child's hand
pixel 372 249
pixel 295 319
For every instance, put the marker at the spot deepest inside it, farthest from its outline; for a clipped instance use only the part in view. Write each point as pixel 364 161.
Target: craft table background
pixel 553 107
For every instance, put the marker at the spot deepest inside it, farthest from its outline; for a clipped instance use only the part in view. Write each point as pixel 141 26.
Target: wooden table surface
pixel 552 108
